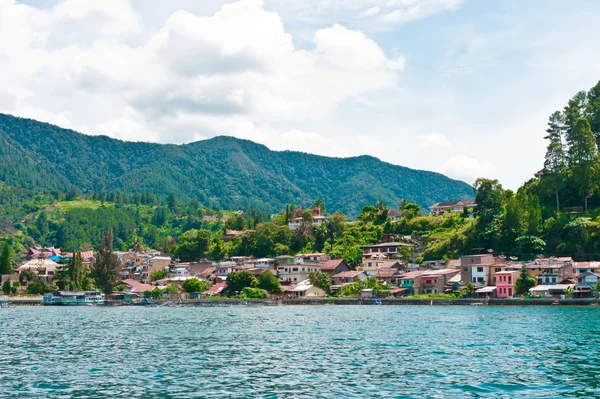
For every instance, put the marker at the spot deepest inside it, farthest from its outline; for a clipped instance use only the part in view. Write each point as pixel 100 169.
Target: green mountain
pixel 223 171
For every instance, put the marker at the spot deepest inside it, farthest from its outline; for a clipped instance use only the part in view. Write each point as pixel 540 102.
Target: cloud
pixel 433 141
pixel 467 168
pixel 370 12
pixel 400 11
pixel 233 69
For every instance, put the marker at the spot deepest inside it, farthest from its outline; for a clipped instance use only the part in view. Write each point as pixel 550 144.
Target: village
pixel 383 273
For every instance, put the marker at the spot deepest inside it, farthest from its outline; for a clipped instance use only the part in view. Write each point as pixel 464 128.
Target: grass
pixel 64 206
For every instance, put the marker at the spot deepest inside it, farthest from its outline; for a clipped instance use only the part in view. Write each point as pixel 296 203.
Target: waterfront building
pixel 71 298
pixel 505 283
pixel 304 289
pixel 436 281
pixel 586 285
pixel 411 282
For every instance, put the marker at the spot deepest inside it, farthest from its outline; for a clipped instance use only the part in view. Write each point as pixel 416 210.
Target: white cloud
pixel 433 141
pixel 467 168
pixel 370 12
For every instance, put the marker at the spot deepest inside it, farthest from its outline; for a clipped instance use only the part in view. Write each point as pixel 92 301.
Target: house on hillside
pixel 348 277
pixel 394 215
pixel 440 208
pixel 317 218
pixel 336 266
pixel 435 281
pixel 303 289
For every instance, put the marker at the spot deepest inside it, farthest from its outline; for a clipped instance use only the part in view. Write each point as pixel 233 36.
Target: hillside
pixel 223 171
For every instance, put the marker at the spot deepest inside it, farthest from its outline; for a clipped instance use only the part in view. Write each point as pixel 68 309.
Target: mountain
pixel 223 171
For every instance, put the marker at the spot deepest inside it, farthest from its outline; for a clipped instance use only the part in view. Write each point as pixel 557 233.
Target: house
pixel 485 292
pixel 505 283
pixel 41 267
pixel 440 208
pixel 317 218
pixel 158 263
pixel 295 273
pixel 132 285
pixel 224 269
pixel 311 258
pixel 335 266
pixel 550 271
pixel 385 250
pixel 476 268
pixel 586 285
pixel 216 290
pixel 394 215
pixel 539 290
pixel 304 290
pixel 582 267
pixel 435 281
pixel 390 276
pixel 39 252
pixel 411 282
pixel 265 263
pixel 348 277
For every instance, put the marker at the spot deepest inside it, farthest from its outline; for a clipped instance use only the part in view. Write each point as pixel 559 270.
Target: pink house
pixel 505 283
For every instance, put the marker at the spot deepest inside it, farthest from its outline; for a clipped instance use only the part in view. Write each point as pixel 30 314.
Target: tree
pixel 582 156
pixel 555 128
pixel 593 111
pixel 193 285
pixel 7 287
pixel 489 195
pixel 217 250
pixel 572 113
pixel 320 204
pixel 253 293
pixel 5 261
pixel 555 166
pixel 237 222
pixel 172 202
pixel 107 268
pixel 193 244
pixel 268 282
pixel 237 281
pixel 524 282
pixel 78 273
pixel 410 211
pixel 158 275
pixel 321 280
pixel 470 289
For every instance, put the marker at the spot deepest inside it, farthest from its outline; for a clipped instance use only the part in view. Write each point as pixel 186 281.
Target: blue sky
pixel 462 87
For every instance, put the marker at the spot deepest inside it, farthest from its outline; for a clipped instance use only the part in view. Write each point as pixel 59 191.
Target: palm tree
pixel 320 204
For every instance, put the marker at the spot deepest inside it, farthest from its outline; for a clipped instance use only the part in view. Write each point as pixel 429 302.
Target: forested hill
pixel 223 171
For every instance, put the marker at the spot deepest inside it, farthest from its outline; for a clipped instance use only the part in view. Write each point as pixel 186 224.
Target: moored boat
pixel 73 298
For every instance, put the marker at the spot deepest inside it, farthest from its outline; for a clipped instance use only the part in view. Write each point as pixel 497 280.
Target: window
pixel 494 280
pixel 498 269
pixel 466 269
pixel 480 279
pixel 480 270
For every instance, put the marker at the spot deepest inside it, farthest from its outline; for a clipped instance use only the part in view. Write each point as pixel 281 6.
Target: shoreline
pixel 347 301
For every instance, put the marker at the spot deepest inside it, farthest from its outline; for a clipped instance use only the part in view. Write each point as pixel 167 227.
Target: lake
pixel 300 352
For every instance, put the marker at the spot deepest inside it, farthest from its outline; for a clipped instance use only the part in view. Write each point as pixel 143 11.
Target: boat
pixel 376 302
pixel 5 305
pixel 142 302
pixel 73 298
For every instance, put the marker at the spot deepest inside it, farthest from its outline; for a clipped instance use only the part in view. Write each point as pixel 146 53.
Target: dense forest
pixel 222 172
pixel 557 213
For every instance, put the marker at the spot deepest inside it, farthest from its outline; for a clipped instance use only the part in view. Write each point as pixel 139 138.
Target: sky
pixel 460 87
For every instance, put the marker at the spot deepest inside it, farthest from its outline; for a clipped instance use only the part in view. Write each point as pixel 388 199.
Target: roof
pixel 383 273
pixel 439 272
pixel 453 203
pixel 206 272
pixel 411 275
pixel 311 255
pixel 136 286
pixel 485 289
pixel 540 288
pixel 388 244
pixel 390 264
pixel 590 265
pixel 265 260
pixel 394 213
pixel 34 264
pixel 332 264
pixel 453 263
pixel 233 232
pixel 347 274
pixel 216 289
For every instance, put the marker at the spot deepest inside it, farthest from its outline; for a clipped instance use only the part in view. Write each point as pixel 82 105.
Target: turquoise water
pixel 300 351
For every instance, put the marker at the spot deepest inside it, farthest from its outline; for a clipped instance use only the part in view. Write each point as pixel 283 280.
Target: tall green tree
pixel 524 282
pixel 572 113
pixel 582 156
pixel 107 268
pixel 555 128
pixel 193 244
pixel 5 260
pixel 489 195
pixel 555 166
pixel 593 111
pixel 321 280
pixel 78 273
